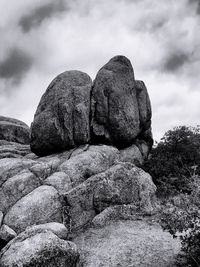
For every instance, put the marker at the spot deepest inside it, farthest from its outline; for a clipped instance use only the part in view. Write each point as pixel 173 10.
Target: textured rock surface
pixel 14 130
pixel 115 110
pixel 64 110
pixel 42 205
pixel 115 114
pixel 127 244
pixel 39 247
pixel 120 184
pixel 89 137
pixel 6 233
pixel 57 228
pixel 95 160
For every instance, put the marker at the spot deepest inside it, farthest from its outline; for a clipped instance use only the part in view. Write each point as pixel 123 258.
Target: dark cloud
pixel 175 61
pixel 15 65
pixel 197 3
pixel 34 19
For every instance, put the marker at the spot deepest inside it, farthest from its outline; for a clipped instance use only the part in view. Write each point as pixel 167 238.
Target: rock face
pixel 90 137
pixel 115 114
pixel 64 110
pixel 14 130
pixel 115 110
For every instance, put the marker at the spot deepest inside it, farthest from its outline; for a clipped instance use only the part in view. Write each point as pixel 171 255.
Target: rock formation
pixel 13 130
pixel 98 134
pixel 114 110
pixel 64 111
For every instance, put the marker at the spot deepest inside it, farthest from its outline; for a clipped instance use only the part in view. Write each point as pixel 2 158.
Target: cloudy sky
pixel 40 39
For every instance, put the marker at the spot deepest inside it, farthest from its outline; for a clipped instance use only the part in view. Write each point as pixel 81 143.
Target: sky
pixel 40 39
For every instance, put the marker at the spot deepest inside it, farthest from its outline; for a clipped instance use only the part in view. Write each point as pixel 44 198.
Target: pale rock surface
pixel 42 205
pixel 16 187
pixel 127 244
pixel 6 233
pixel 57 228
pixel 121 184
pixel 39 247
pixel 95 160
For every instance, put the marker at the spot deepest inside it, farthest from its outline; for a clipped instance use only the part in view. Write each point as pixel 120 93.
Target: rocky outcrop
pixel 64 110
pixel 13 130
pixel 90 137
pixel 115 110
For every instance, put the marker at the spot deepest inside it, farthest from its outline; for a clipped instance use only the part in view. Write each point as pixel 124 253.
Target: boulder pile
pixel 92 137
pixel 115 109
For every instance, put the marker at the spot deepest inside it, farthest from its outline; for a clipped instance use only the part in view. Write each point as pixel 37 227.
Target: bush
pixel 174 160
pixel 183 221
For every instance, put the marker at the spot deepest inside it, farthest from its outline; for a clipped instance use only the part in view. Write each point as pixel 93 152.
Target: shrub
pixel 182 219
pixel 174 160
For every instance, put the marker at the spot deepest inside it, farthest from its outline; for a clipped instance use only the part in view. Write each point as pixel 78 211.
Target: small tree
pixel 174 158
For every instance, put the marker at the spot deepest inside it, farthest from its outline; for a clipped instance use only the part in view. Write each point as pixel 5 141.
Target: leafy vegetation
pixel 182 219
pixel 174 165
pixel 174 160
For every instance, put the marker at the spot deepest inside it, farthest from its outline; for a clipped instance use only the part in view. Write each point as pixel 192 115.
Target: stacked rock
pixel 115 109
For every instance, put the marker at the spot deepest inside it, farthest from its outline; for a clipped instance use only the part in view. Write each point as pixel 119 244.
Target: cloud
pixel 176 60
pixel 15 64
pixel 197 5
pixel 35 18
pixel 159 37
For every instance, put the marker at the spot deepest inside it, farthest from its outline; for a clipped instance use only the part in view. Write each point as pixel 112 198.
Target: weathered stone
pixel 57 228
pixel 16 187
pixel 96 159
pixel 121 184
pixel 13 150
pixel 115 114
pixel 62 117
pixel 6 233
pixel 14 130
pixel 60 180
pixel 131 154
pixel 115 213
pixel 39 247
pixel 129 243
pixel 144 105
pixel 42 205
pixel 10 167
pixel 146 190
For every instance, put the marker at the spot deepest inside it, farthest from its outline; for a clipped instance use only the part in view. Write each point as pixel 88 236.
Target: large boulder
pixel 114 105
pixel 39 247
pixel 127 243
pixel 14 130
pixel 42 205
pixel 120 184
pixel 62 117
pixel 16 187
